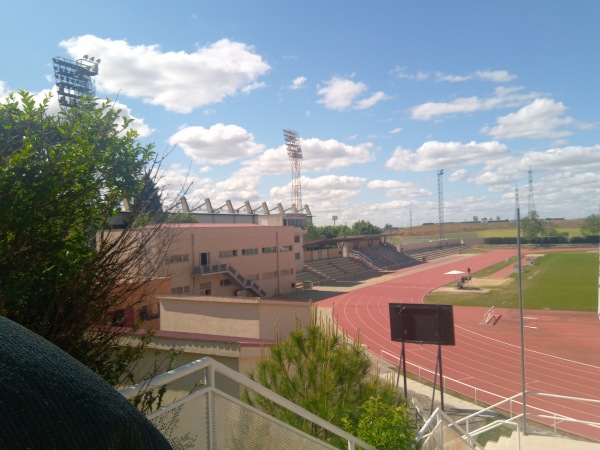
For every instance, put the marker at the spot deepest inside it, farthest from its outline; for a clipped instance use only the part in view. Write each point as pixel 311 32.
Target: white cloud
pixel 540 119
pixel 340 94
pixel 503 173
pixel 396 130
pixel 502 98
pixel 435 155
pixel 372 100
pixel 323 193
pixel 298 83
pixel 399 189
pixel 3 89
pixel 179 81
pixel 496 76
pixel 457 175
pixel 138 124
pixel 319 156
pixel 401 73
pixel 220 144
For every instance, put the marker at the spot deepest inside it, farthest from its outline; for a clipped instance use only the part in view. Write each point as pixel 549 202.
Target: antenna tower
pixel 441 202
pixel 74 79
pixel 292 141
pixel 531 204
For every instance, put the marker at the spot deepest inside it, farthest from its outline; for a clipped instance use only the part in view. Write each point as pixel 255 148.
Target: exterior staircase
pixel 212 269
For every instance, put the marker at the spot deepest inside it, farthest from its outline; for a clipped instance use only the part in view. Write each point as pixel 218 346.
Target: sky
pixel 385 95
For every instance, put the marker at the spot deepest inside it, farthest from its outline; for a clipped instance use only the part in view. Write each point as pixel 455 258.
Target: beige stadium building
pixel 221 283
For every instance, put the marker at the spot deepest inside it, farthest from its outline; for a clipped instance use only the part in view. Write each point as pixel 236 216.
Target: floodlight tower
pixel 292 141
pixel 74 79
pixel 441 202
pixel 531 204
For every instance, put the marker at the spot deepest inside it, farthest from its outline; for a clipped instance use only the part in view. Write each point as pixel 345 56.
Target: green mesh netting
pixel 49 400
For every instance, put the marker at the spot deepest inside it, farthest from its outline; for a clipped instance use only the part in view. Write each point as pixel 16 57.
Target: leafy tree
pixel 148 201
pixel 329 231
pixel 385 426
pixel 319 369
pixel 344 230
pixel 363 227
pixel 62 180
pixel 313 232
pixel 591 225
pixel 532 226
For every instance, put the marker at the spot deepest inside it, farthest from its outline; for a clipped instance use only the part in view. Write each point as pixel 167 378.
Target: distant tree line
pixel 536 231
pixel 360 228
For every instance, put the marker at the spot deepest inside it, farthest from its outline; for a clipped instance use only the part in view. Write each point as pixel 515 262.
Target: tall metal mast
pixel 441 202
pixel 531 204
pixel 294 151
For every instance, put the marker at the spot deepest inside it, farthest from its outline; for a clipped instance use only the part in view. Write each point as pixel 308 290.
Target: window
pixel 269 249
pixel 172 259
pixel 269 275
pixel 285 272
pixel 225 282
pixel 180 290
pixel 227 253
pixel 298 223
pixel 298 256
pixel 149 312
pixel 297 239
pixel 249 251
pixel 285 248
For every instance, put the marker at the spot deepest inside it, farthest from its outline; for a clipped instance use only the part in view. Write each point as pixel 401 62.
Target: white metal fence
pixel 211 419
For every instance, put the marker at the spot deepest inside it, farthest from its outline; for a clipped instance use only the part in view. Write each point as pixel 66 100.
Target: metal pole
pixel 441 376
pixel 522 322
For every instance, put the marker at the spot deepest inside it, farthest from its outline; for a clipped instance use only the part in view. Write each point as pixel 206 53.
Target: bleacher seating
pixel 335 270
pixel 383 259
pixel 437 253
pixel 386 257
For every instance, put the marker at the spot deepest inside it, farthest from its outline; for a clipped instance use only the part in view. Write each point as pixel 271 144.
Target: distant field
pixel 557 281
pixel 482 230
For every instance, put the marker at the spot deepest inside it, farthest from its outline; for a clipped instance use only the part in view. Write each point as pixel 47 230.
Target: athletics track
pixel 562 355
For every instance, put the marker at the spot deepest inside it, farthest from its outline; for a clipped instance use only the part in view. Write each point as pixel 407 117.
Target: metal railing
pixel 358 255
pixel 505 403
pixel 208 418
pixel 210 269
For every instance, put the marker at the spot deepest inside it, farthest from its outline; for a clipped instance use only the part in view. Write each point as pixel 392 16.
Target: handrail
pixel 225 267
pixel 212 367
pixel 556 417
pixel 440 416
pixel 362 257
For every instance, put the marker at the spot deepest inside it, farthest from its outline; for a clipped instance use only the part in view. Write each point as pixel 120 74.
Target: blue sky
pixel 383 95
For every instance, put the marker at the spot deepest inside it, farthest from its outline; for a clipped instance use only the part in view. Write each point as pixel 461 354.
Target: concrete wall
pixel 246 318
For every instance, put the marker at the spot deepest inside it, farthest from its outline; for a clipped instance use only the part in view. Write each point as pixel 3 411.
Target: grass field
pixel 557 281
pixel 480 230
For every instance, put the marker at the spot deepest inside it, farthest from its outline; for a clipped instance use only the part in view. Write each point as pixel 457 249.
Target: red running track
pixel 562 355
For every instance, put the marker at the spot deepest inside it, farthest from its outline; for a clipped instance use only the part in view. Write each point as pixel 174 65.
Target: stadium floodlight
pixel 74 79
pixel 294 151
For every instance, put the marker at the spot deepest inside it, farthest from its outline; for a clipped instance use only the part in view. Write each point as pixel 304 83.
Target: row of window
pixel 254 251
pixel 172 259
pixel 184 257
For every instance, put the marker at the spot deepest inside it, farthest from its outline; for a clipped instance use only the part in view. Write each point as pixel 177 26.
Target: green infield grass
pixel 556 281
